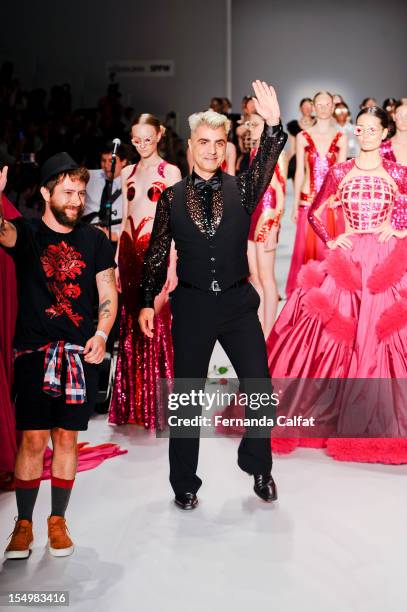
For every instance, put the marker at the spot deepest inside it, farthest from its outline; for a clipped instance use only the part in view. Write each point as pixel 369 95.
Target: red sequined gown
pixel 142 361
pixel 399 214
pixel 307 245
pixel 348 320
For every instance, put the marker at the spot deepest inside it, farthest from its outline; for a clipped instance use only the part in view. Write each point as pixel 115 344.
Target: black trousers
pixel 199 319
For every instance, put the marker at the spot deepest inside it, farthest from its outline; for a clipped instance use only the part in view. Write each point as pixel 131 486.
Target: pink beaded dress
pixel 141 361
pixel 307 245
pixel 348 320
pixel 399 215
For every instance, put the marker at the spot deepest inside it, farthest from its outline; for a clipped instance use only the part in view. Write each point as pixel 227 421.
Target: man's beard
pixel 63 219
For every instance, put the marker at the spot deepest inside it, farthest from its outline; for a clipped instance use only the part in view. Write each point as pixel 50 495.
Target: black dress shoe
pixel 186 501
pixel 265 487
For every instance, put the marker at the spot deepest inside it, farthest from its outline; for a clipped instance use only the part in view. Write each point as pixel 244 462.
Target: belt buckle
pixel 215 286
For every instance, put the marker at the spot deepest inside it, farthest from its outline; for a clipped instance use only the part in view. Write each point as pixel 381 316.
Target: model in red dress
pixel 142 361
pixel 317 150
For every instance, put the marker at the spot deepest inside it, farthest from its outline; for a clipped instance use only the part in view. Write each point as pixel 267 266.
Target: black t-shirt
pixel 56 275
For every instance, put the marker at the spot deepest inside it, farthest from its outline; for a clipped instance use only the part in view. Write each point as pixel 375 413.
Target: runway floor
pixel 335 540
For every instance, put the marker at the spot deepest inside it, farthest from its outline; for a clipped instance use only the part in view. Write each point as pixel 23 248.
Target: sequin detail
pixel 251 184
pixel 366 201
pixel 155 191
pixel 265 211
pixel 131 190
pixel 161 168
pixel 329 193
pixel 399 214
pixel 196 211
pixel 141 361
pixel 318 165
pixel 387 152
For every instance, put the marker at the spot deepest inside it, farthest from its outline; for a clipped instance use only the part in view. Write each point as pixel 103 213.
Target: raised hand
pixel 266 102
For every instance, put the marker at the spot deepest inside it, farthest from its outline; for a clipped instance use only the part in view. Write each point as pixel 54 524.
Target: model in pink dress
pixel 395 150
pixel 348 317
pixel 142 361
pixel 317 150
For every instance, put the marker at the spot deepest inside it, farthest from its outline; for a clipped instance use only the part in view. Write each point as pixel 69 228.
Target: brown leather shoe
pixel 59 542
pixel 21 540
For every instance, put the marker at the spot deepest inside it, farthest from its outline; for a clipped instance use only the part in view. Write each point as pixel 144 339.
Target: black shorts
pixel 38 410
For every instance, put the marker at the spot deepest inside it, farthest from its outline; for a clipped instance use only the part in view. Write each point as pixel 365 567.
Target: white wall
pixel 356 48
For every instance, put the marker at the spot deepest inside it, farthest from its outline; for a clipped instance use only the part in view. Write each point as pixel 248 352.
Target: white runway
pixel 335 540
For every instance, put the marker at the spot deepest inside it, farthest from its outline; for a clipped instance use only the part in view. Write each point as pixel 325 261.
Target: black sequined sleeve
pixel 155 264
pixel 254 182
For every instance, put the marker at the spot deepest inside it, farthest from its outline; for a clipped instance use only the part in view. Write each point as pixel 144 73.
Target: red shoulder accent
pixel 140 226
pixel 398 173
pixel 308 138
pixel 341 170
pixel 280 177
pixel 133 172
pixel 161 168
pixel 334 141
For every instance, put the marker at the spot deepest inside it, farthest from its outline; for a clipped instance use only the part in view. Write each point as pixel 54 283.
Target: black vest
pixel 222 257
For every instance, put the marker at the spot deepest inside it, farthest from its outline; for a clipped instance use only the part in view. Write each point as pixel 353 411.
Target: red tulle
pixel 310 275
pixel 341 328
pixel 346 274
pixel 89 457
pixel 317 304
pixel 391 270
pixel 392 451
pixel 392 320
pixel 284 446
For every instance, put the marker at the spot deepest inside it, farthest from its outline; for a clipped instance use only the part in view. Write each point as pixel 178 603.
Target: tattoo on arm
pixel 107 276
pixel 104 310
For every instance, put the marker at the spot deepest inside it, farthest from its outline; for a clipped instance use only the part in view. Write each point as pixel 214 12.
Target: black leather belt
pixel 214 288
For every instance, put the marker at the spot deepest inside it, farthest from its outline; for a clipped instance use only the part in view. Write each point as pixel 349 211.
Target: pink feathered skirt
pixel 348 320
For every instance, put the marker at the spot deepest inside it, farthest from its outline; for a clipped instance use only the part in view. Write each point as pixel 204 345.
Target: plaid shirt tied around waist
pixel 75 386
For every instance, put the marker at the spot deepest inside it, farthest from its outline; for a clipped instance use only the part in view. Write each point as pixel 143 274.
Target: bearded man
pixel 60 264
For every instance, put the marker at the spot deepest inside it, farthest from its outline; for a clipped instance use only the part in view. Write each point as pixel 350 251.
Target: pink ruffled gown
pixel 399 214
pixel 348 320
pixel 307 244
pixel 141 361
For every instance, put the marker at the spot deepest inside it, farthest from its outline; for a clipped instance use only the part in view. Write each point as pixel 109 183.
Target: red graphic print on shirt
pixel 62 263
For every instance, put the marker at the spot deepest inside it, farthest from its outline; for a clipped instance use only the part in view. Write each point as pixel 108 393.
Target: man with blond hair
pixel 208 216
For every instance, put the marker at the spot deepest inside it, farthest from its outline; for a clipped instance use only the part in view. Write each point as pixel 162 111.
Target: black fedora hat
pixel 61 162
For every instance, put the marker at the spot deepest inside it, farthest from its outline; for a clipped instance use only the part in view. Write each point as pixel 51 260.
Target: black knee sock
pixel 26 496
pixel 60 494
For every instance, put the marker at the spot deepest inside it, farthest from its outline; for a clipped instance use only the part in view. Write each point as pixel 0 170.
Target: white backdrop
pixel 355 48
